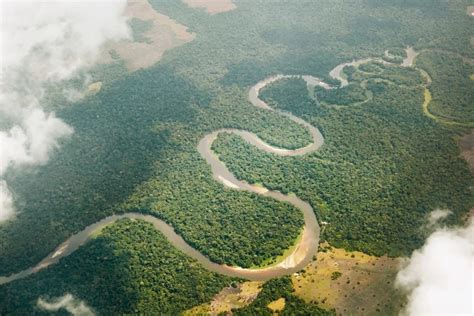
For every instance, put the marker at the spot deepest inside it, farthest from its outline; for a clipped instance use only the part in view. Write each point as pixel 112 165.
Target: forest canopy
pixel 383 167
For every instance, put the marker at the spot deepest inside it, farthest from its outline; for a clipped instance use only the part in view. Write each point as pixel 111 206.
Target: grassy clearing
pixel 204 309
pixel 227 299
pixel 351 282
pixel 277 305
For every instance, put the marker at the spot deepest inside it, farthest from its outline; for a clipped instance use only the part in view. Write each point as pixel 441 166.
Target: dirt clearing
pixel 212 6
pixel 227 299
pixel 163 34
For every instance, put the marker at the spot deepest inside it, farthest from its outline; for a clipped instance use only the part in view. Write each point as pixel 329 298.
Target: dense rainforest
pixel 384 165
pixel 376 168
pixel 128 268
pixel 452 86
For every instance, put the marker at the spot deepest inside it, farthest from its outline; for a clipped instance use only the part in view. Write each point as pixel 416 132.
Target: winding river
pixel 308 243
pixel 299 258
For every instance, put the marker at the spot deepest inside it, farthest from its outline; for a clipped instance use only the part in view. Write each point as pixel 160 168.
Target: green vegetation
pixel 383 167
pixel 139 27
pixel 401 76
pixel 393 59
pixel 397 51
pixel 228 226
pixel 275 289
pixel 116 147
pixel 375 169
pixel 274 260
pixel 58 97
pixel 350 94
pixel 372 67
pixel 335 275
pixel 129 268
pixel 452 89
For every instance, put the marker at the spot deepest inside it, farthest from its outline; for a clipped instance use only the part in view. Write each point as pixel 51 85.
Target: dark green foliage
pixel 383 167
pixel 349 71
pixel 393 74
pixel 452 88
pixel 350 94
pixel 369 29
pixel 139 27
pixel 275 289
pixel 376 86
pixel 111 151
pixel 375 169
pixel 134 130
pixel 129 268
pixel 372 67
pixel 228 226
pixel 393 59
pixel 397 52
pixel 402 76
pixel 58 96
pixel 336 275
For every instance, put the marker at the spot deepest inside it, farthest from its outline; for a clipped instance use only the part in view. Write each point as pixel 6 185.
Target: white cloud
pixel 56 38
pixel 45 42
pixel 74 306
pixel 32 140
pixel 439 276
pixel 6 202
pixel 435 218
pixel 437 215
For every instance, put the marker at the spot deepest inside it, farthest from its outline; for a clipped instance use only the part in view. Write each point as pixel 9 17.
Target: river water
pixel 308 243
